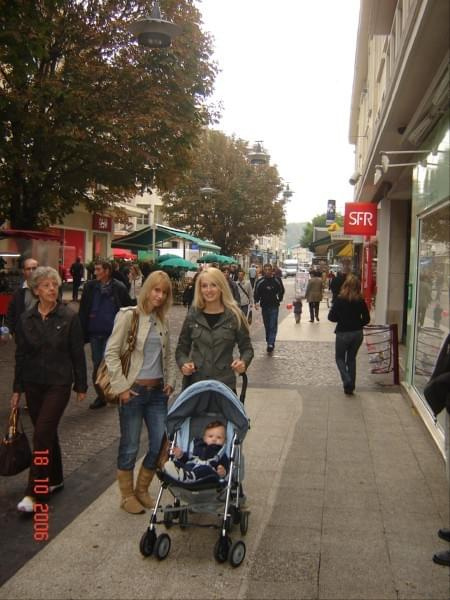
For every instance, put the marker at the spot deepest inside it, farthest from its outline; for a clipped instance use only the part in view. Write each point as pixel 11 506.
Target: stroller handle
pixel 244 387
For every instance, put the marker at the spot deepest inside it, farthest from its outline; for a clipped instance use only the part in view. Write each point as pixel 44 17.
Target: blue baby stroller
pixel 195 407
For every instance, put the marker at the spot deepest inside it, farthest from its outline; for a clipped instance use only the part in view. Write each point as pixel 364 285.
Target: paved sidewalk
pixel 346 497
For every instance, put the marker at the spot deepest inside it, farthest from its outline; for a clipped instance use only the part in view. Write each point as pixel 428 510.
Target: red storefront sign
pixel 360 218
pixel 101 222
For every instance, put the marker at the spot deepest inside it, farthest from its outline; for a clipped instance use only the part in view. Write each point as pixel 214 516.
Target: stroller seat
pixel 206 483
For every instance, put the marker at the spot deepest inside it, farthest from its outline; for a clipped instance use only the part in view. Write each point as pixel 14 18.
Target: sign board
pixel 146 255
pixel 360 218
pixel 101 223
pixel 331 212
pixel 301 281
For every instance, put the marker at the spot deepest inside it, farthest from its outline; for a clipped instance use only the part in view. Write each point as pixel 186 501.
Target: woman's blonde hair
pixel 42 273
pixel 351 288
pixel 155 279
pixel 216 277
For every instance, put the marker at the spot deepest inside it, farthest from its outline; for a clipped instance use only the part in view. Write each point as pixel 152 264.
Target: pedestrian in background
pixel 245 292
pixel 77 272
pixel 23 299
pixel 210 332
pixel 337 281
pixel 232 284
pixel 269 292
pixel 101 299
pixel 437 394
pixel 350 313
pixel 252 275
pixel 135 279
pixel 144 393
pixel 298 308
pixel 49 359
pixel 314 294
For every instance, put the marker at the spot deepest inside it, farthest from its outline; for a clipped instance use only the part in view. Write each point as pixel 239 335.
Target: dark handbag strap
pixel 243 290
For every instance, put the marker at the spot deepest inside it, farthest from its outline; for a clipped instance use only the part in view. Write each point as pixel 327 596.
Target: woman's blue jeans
pixel 150 407
pixel 347 346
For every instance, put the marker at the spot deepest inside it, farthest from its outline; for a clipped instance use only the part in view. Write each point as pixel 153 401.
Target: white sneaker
pixel 56 488
pixel 26 505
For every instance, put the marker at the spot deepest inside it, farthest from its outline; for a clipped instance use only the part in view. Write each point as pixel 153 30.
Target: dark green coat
pixel 211 349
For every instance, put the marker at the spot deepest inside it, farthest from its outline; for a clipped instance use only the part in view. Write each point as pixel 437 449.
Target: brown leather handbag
pixel 103 379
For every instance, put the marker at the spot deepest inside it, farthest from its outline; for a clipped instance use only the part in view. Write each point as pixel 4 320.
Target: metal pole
pixel 394 337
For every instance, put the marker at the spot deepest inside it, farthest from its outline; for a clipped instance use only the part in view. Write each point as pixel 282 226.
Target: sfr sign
pixel 360 218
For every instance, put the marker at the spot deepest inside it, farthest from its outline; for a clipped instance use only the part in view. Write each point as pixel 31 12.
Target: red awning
pixel 122 253
pixel 30 235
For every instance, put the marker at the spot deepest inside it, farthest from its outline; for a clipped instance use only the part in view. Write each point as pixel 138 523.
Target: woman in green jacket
pixel 212 328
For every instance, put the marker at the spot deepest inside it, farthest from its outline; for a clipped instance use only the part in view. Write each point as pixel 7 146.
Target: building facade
pixel 399 126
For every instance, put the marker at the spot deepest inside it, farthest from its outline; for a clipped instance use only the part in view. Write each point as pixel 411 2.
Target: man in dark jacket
pixel 269 292
pixel 336 282
pixel 23 298
pixel 101 300
pixel 77 272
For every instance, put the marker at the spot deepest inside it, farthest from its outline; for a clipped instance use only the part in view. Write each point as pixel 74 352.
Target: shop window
pixel 432 305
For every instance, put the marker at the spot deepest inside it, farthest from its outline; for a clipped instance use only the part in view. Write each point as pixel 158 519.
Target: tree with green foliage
pixel 318 221
pixel 87 115
pixel 245 202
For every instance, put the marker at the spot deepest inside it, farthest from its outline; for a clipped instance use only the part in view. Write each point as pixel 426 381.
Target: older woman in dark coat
pixel 49 360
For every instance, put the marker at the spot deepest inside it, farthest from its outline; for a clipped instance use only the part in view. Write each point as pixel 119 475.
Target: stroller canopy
pixel 204 398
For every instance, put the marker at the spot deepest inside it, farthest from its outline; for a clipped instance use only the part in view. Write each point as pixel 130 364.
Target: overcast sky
pixel 286 78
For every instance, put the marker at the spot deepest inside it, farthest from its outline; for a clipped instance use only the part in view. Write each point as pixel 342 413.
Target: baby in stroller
pixel 208 461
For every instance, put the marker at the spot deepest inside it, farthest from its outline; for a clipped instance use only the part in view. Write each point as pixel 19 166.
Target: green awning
pixel 142 239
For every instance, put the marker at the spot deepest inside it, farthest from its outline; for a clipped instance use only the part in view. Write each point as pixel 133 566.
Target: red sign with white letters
pixel 360 218
pixel 101 222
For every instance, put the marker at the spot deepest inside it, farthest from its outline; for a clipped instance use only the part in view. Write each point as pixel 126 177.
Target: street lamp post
pixel 154 32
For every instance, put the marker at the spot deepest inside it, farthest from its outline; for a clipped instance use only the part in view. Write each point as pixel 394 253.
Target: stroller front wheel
pixel 222 548
pixel 237 553
pixel 147 542
pixel 162 546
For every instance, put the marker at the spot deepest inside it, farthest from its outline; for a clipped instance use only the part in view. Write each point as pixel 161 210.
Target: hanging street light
pixel 257 155
pixel 153 31
pixel 287 193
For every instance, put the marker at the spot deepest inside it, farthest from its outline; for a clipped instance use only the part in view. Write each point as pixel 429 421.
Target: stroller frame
pixel 225 503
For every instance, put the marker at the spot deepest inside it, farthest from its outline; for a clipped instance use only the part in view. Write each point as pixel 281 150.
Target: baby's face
pixel 214 435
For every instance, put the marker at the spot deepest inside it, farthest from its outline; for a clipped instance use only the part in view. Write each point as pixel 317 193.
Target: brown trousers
pixel 46 405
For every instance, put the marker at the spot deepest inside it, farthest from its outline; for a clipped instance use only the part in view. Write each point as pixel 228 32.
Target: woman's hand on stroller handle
pixel 188 368
pixel 239 366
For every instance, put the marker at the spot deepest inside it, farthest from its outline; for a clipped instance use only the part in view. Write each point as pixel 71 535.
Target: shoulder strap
pixel 132 333
pixel 239 284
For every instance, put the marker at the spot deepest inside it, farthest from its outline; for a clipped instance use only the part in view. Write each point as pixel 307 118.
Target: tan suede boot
pixel 129 501
pixel 144 479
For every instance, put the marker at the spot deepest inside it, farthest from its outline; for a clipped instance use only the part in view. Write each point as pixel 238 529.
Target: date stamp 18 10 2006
pixel 40 488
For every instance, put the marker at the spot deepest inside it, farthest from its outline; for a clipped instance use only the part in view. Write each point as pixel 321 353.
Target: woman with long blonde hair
pixel 213 327
pixel 144 393
pixel 350 313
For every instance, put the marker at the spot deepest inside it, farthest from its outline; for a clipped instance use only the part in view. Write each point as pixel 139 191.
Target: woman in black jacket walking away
pixel 350 313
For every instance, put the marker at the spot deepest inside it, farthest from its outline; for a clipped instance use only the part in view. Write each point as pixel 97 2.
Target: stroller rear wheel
pixel 222 548
pixel 183 518
pixel 243 525
pixel 168 517
pixel 147 542
pixel 162 546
